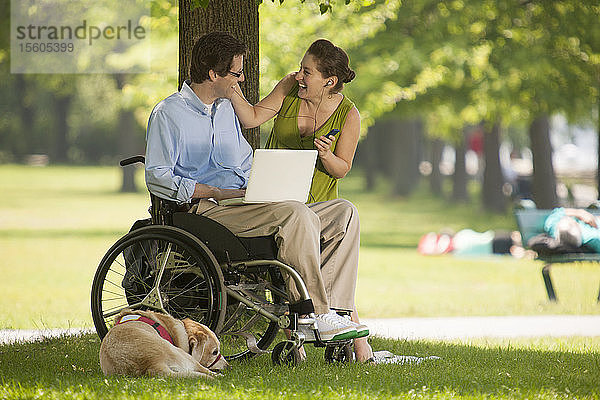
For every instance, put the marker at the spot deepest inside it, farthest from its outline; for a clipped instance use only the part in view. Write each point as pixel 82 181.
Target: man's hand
pixel 222 194
pixel 203 191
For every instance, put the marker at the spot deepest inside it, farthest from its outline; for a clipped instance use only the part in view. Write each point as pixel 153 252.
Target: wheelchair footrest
pixel 251 342
pixel 302 307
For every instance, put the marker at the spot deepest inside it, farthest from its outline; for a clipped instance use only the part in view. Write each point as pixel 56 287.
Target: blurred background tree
pixel 436 81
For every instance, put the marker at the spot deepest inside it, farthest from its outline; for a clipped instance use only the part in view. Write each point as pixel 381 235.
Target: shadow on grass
pixel 70 365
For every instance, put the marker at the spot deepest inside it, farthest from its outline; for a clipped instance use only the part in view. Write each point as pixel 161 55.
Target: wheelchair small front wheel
pixel 159 268
pixel 285 353
pixel 339 353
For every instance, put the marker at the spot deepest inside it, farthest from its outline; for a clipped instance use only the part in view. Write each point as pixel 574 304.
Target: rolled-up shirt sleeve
pixel 162 151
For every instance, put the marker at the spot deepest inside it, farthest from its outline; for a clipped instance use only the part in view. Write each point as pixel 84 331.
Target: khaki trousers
pixel 319 240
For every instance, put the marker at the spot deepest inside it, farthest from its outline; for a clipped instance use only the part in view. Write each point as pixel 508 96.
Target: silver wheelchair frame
pixel 186 265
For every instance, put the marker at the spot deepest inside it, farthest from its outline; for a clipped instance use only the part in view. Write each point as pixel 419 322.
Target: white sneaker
pixel 332 326
pixel 361 329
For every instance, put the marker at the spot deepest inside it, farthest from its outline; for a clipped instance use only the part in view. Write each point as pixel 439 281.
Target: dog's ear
pixel 193 342
pixel 198 342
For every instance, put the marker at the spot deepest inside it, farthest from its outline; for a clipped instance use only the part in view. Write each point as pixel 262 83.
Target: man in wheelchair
pixel 196 154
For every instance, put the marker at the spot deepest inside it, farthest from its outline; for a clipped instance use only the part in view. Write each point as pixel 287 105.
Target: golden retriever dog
pixel 156 344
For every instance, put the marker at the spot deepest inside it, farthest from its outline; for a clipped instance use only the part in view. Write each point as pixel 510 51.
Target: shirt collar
pixel 194 101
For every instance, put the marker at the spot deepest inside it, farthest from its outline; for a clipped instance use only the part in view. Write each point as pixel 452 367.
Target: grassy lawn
pixel 56 223
pixel 68 368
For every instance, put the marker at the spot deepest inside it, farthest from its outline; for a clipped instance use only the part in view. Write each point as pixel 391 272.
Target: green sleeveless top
pixel 286 135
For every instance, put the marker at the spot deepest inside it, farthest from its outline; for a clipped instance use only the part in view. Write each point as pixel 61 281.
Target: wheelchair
pixel 190 266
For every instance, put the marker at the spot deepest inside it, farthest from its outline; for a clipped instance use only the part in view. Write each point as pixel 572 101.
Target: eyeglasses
pixel 237 74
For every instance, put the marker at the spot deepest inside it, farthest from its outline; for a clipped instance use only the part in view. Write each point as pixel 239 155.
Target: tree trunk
pixel 239 18
pixel 419 137
pixel 544 180
pixel 61 144
pixel 459 193
pixel 405 157
pixel 492 195
pixel 598 164
pixel 370 154
pixel 127 128
pixel 435 179
pixel 27 117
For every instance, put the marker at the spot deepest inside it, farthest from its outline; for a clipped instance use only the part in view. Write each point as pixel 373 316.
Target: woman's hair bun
pixel 350 76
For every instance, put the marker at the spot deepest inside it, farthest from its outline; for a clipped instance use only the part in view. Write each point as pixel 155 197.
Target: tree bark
pixel 369 155
pixel 405 158
pixel 544 180
pixel 435 179
pixel 598 164
pixel 239 18
pixel 61 143
pixel 459 192
pixel 493 180
pixel 127 127
pixel 27 117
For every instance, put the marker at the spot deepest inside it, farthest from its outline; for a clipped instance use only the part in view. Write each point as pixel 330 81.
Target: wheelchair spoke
pixel 188 288
pixel 111 292
pixel 157 268
pixel 116 310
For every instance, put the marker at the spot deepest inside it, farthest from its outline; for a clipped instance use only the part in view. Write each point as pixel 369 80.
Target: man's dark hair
pixel 214 51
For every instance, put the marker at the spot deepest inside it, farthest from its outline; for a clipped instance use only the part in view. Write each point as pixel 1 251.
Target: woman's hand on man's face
pixel 233 90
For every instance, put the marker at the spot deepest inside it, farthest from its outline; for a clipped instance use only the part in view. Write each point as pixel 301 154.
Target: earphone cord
pixel 315 118
pixel 311 197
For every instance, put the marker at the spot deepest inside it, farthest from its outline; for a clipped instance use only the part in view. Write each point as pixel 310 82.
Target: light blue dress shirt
pixel 186 143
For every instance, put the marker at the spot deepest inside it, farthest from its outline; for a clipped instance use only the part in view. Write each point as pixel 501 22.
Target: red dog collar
pixel 162 332
pixel 216 359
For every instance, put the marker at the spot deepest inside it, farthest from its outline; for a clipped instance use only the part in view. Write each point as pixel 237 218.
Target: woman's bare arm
pixel 252 116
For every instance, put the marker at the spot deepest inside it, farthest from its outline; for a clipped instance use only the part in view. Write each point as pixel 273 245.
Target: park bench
pixel 531 223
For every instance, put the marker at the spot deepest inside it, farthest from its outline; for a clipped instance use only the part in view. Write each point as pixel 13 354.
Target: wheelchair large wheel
pixel 265 286
pixel 159 268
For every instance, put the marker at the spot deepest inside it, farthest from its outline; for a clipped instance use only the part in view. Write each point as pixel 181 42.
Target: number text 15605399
pixel 43 47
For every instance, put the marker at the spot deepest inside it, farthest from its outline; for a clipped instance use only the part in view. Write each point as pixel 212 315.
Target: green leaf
pixel 324 7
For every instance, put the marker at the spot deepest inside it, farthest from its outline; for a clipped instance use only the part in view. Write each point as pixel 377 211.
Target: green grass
pixel 57 222
pixel 68 368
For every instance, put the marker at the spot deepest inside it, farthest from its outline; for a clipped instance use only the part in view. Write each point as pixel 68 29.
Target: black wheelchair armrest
pixel 132 160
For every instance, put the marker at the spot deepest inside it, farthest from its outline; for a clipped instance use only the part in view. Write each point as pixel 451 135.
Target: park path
pixel 447 328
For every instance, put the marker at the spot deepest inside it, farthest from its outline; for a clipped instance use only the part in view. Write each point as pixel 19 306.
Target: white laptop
pixel 278 175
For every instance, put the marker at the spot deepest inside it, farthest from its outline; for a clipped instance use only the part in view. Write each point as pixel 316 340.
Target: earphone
pixel 329 83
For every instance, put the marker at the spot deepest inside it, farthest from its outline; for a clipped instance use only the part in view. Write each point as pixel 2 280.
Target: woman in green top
pixel 308 105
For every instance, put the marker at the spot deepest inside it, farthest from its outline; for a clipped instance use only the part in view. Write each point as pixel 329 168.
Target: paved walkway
pixel 473 327
pixel 423 328
pixel 19 335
